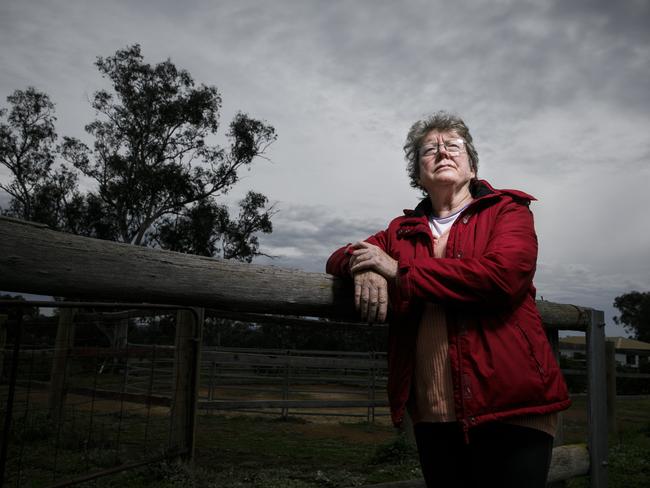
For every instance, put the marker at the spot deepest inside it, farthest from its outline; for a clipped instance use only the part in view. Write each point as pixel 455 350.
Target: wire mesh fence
pixel 77 406
pixel 89 389
pixel 294 382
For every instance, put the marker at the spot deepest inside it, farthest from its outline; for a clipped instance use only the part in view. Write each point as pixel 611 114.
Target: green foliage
pixel 397 451
pixel 231 333
pixel 634 308
pixel 631 461
pixel 13 311
pixel 207 229
pixel 628 462
pixel 36 427
pixel 26 145
pixel 39 191
pixel 246 451
pixel 157 175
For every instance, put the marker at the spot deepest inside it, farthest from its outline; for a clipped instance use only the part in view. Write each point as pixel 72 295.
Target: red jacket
pixel 502 363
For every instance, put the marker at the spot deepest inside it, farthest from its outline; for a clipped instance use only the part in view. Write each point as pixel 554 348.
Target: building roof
pixel 624 343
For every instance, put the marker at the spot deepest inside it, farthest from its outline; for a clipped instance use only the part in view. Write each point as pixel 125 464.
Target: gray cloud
pixel 5 198
pixel 304 236
pixel 555 94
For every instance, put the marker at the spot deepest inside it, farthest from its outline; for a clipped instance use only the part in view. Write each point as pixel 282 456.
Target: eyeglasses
pixel 453 147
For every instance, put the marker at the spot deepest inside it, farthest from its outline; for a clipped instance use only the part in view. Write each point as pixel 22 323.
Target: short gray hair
pixel 443 122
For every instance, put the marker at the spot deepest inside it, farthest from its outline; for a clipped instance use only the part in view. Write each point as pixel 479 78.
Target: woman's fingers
pixel 357 294
pixel 361 294
pixel 382 310
pixel 371 296
pixel 377 261
pixel 373 302
pixel 365 293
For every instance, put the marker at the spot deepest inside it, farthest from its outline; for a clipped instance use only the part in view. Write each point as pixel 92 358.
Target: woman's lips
pixel 443 166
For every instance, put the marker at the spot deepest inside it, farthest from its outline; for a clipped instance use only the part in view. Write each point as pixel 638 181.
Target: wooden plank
pixel 597 400
pixel 292 321
pixel 132 352
pixel 143 398
pixel 568 462
pixel 91 268
pixel 563 316
pixel 3 339
pixel 419 483
pixel 610 366
pixel 260 404
pixel 291 361
pixel 62 345
pixel 558 440
pixel 186 381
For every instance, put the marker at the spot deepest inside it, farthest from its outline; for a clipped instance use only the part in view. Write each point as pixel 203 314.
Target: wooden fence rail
pixel 35 259
pixel 81 267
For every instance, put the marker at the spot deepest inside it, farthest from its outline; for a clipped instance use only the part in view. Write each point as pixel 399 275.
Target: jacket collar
pixel 481 191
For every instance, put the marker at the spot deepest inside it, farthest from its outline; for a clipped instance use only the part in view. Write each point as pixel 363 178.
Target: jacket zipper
pixel 461 419
pixel 459 350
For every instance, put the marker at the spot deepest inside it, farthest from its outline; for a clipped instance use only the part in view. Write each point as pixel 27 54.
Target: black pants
pixel 498 454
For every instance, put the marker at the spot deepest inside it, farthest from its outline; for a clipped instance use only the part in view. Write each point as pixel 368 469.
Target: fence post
pixel 372 386
pixel 187 350
pixel 285 383
pixel 3 339
pixel 554 339
pixel 610 361
pixel 63 342
pixel 597 400
pixel 213 372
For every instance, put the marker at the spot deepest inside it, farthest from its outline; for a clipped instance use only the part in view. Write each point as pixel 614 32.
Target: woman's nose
pixel 442 151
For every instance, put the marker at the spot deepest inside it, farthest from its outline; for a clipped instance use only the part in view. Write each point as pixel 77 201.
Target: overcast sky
pixel 556 94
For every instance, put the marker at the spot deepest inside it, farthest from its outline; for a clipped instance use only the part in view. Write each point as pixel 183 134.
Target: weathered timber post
pixel 597 400
pixel 189 327
pixel 285 384
pixel 62 345
pixel 568 462
pixel 211 386
pixel 121 333
pixel 554 339
pixel 120 341
pixel 610 362
pixel 3 339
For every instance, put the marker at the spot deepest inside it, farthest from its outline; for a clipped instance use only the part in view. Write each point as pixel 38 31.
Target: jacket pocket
pixel 533 353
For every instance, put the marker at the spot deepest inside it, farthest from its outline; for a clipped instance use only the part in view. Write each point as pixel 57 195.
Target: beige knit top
pixel 432 397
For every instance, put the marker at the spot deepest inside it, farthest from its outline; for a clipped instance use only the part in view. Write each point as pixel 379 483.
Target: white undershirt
pixel 440 225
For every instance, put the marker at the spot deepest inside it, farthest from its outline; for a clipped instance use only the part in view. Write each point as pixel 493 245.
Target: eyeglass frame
pixel 436 147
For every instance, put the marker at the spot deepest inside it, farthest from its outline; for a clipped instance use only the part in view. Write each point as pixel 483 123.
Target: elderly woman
pixel 468 357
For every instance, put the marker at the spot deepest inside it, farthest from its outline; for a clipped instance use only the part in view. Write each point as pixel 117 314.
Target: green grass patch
pixel 259 451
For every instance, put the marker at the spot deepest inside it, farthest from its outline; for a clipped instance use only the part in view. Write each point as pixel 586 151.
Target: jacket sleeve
pixel 503 274
pixel 338 263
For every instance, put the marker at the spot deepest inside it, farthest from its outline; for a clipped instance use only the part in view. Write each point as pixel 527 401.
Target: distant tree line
pixel 156 178
pixel 634 308
pixel 236 333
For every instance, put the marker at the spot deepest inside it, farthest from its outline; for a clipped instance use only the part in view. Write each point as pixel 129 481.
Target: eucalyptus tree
pixel 39 190
pixel 634 309
pixel 158 173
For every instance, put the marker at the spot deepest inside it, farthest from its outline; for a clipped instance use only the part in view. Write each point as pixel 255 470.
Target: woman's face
pixel 444 168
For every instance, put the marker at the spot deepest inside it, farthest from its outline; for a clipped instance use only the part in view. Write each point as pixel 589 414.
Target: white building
pixel 629 352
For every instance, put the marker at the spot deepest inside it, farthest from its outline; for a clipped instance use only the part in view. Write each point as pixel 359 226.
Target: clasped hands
pixel 372 269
